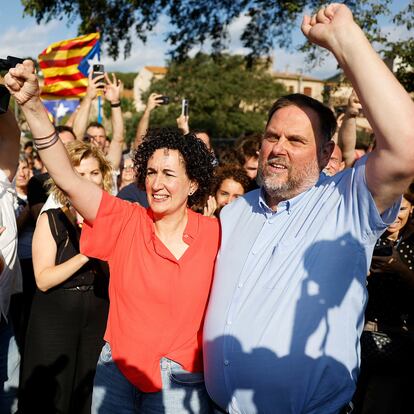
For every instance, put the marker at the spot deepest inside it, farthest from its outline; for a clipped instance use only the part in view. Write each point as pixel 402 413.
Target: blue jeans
pixel 183 392
pixel 9 368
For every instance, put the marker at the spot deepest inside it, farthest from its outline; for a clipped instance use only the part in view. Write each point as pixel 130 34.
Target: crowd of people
pixel 272 276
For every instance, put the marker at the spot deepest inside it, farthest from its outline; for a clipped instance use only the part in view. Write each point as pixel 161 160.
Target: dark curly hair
pixel 233 172
pixel 198 160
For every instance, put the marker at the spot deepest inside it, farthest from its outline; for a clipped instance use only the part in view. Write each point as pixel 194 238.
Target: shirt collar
pixel 287 205
pixel 190 231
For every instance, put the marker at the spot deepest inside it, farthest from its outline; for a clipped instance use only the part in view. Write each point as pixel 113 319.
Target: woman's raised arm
pixel 85 196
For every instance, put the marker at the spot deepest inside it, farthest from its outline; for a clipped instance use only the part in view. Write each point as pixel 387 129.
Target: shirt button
pixel 185 235
pixel 240 285
pixel 228 322
pixel 226 362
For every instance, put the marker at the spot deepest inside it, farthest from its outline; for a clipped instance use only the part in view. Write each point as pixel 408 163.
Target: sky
pixel 21 36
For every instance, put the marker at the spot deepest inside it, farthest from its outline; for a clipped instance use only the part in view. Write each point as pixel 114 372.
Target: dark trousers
pixel 63 341
pixel 384 393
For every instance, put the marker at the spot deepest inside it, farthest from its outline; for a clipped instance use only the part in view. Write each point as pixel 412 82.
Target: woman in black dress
pixel 70 306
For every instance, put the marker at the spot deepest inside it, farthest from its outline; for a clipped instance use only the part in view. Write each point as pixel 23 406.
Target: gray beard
pixel 293 186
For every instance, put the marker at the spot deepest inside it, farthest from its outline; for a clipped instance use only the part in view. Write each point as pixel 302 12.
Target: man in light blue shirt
pixel 286 310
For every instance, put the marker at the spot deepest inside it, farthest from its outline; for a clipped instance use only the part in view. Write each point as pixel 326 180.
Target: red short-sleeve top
pixel 157 302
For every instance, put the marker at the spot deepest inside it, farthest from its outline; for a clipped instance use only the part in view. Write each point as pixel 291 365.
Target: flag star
pixel 94 61
pixel 62 110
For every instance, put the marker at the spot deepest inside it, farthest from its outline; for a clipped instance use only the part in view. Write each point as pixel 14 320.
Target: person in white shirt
pixel 10 276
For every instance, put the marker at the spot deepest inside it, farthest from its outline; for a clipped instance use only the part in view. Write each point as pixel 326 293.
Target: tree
pixel 225 98
pixel 193 22
pixel 403 51
pixel 127 78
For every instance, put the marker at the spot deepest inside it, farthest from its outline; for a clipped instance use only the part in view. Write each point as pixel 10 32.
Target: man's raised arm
pixel 387 106
pixel 81 120
pixel 347 134
pixel 23 85
pixel 143 124
pixel 113 95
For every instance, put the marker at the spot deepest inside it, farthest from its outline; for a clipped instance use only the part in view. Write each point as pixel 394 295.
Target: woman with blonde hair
pixel 70 305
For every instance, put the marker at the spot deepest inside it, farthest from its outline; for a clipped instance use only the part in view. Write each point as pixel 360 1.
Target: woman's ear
pixel 193 188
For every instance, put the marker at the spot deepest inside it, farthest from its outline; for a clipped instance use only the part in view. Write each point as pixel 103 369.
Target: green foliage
pixel 403 50
pixel 131 117
pixel 127 79
pixel 193 22
pixel 225 98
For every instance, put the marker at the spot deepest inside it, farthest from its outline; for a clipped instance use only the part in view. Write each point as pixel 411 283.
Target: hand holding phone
pixel 98 70
pixel 184 107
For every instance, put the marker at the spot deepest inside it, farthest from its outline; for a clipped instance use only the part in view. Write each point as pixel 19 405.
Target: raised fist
pixel 22 82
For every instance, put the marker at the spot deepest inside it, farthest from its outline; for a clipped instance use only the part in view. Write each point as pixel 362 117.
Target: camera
pixel 98 70
pixel 4 99
pixel 164 100
pixel 9 62
pixel 6 64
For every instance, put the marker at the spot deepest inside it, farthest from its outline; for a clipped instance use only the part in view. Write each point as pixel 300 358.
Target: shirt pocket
pixel 283 260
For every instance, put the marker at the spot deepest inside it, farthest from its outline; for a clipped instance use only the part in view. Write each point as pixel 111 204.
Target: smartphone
pixel 164 100
pixel 184 107
pixel 98 70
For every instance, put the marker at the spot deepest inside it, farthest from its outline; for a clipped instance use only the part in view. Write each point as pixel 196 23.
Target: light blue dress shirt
pixel 286 309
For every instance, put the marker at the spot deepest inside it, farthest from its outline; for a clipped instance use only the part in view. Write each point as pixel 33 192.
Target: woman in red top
pixel 161 264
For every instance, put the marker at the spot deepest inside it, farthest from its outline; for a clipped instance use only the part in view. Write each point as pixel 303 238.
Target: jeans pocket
pixel 180 376
pixel 106 354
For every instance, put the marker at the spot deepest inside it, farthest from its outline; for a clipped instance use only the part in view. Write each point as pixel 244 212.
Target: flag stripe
pixel 66 93
pixel 44 64
pixel 68 54
pixel 60 78
pixel 47 97
pixel 69 70
pixel 65 85
pixel 64 43
pixel 73 92
pixel 77 44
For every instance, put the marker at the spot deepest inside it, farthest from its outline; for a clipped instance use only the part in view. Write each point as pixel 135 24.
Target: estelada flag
pixel 65 66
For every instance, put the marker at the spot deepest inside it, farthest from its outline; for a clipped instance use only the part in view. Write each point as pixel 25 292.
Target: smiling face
pixel 228 191
pixel 128 172
pixel 291 156
pixel 166 183
pixel 89 169
pixel 405 210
